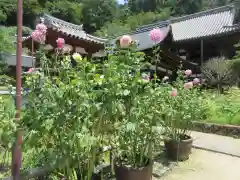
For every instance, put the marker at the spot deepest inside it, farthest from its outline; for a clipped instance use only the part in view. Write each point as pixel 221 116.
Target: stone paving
pixel 205 165
pixel 216 143
pixel 216 158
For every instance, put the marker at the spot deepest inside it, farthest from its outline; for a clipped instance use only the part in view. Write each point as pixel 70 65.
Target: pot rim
pixel 129 167
pixel 190 139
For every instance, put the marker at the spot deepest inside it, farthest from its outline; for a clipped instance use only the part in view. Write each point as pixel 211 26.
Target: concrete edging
pixel 219 129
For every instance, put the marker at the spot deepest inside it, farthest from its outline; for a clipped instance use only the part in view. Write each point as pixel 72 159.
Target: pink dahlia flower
pixel 188 85
pixel 188 72
pixel 60 43
pixel 30 70
pixel 125 41
pixel 196 81
pixel 156 35
pixel 41 28
pixel 173 92
pixel 38 36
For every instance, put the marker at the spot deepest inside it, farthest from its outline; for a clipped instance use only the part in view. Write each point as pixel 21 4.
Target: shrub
pixel 218 72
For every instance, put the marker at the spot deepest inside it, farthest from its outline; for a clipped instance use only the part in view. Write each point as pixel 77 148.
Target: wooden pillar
pixel 74 49
pixel 89 55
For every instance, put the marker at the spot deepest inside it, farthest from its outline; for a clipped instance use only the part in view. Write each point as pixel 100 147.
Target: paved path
pixel 205 165
pixel 216 158
pixel 217 143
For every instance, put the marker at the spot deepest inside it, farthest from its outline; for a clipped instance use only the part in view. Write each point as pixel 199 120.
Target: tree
pixel 31 9
pixel 137 6
pixel 6 44
pixel 131 23
pixel 96 13
pixel 236 63
pixel 187 7
pixel 65 10
pixel 3 17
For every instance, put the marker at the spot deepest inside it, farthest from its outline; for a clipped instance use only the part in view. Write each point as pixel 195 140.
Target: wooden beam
pixel 161 69
pixel 175 57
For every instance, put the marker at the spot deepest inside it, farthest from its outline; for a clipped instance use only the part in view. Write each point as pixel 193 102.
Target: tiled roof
pixel 75 31
pixel 204 24
pixel 208 23
pixel 141 35
pixel 149 27
pixel 143 39
pixel 69 29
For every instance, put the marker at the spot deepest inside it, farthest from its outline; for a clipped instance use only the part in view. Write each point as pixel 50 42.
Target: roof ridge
pixel 203 13
pixel 147 27
pixel 152 24
pixel 51 18
pixel 97 38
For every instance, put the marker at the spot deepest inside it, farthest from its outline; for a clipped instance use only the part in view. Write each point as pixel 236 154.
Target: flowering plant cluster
pixel 183 106
pixel 39 34
pixel 76 110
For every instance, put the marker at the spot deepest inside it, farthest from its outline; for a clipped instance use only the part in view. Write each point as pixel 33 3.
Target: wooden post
pixel 202 52
pixel 16 151
pixel 33 64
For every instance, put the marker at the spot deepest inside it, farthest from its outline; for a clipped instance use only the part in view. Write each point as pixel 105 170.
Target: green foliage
pixel 188 6
pixel 97 12
pixel 236 63
pixel 134 119
pixel 65 121
pixel 6 45
pixel 31 9
pixel 65 10
pixel 6 80
pixel 223 108
pixel 7 124
pixel 8 38
pixel 118 27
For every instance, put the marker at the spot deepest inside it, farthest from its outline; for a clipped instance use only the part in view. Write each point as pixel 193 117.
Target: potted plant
pixel 133 119
pixel 181 106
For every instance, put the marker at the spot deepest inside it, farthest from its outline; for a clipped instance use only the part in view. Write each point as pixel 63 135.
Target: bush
pixel 218 73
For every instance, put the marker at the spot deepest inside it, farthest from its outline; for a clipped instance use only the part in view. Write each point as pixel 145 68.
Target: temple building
pixel 74 35
pixel 188 41
pixel 191 40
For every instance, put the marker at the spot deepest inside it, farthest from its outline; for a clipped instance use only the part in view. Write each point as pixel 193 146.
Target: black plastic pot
pixel 126 173
pixel 179 150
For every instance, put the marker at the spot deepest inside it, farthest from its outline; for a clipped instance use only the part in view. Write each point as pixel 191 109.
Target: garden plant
pixel 76 107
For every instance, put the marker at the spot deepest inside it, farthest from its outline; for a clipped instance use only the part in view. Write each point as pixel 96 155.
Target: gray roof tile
pixel 69 29
pixel 204 24
pixel 143 38
pixel 141 35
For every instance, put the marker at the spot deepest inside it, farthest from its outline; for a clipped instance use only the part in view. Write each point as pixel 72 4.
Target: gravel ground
pixel 206 165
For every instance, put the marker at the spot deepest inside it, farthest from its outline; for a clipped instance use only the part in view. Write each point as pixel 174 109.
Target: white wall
pixel 27 61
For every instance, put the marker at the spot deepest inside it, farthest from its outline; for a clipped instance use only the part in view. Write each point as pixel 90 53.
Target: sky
pixel 120 1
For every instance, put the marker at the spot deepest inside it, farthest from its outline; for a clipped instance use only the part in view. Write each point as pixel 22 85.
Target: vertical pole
pixel 16 153
pixel 201 52
pixel 33 64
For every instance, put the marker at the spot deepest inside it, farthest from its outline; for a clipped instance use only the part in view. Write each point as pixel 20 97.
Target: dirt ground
pixel 206 165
